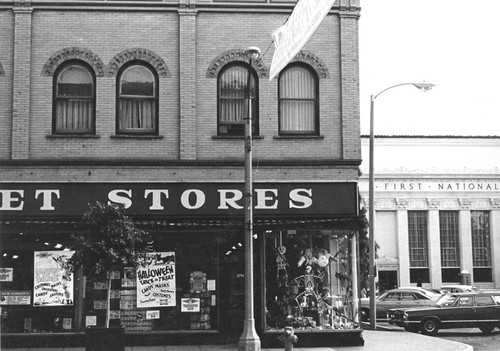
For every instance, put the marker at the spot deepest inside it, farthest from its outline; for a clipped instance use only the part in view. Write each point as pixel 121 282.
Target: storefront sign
pixel 53 285
pixel 15 297
pixel 434 186
pixel 180 199
pixel 156 281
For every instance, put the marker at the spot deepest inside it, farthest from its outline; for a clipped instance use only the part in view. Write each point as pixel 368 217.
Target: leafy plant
pixel 111 243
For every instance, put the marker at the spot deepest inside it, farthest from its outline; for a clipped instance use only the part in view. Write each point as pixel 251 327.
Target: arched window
pixel 137 110
pixel 74 99
pixel 232 100
pixel 298 101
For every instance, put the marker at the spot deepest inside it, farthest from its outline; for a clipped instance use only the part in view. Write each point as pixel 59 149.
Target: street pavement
pixel 375 340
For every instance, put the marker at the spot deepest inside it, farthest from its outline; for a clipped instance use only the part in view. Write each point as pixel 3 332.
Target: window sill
pixel 136 136
pixel 236 137
pixel 298 136
pixel 73 136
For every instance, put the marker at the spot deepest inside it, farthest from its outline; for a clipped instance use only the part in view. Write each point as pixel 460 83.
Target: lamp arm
pixel 394 86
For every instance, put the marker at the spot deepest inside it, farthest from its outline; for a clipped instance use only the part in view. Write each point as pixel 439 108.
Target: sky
pixel 453 44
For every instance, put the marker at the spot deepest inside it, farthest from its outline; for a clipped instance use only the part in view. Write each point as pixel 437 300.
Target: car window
pixel 463 301
pixel 408 297
pixel 484 301
pixel 446 300
pixel 392 297
pixel 420 297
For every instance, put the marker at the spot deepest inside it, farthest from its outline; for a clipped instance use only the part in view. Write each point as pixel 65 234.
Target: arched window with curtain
pixel 298 101
pixel 232 99
pixel 74 99
pixel 137 110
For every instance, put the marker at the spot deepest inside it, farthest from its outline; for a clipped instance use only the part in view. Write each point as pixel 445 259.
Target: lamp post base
pixel 249 340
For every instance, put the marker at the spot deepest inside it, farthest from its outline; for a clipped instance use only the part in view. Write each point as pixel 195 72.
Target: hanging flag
pixel 291 37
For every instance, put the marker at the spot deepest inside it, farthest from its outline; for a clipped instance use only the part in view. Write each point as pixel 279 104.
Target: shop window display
pixel 176 290
pixel 180 291
pixel 308 281
pixel 34 295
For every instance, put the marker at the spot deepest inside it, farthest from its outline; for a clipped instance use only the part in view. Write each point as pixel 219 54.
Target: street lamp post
pixel 249 340
pixel 371 214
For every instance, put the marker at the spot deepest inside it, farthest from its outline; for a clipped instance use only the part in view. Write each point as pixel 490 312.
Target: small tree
pixel 111 243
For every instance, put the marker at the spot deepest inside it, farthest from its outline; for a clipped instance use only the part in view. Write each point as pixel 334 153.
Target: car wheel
pixel 429 326
pixel 365 315
pixel 486 328
pixel 411 329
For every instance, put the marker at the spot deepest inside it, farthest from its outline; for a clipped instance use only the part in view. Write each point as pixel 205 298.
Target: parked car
pixel 458 310
pixel 457 288
pixel 398 298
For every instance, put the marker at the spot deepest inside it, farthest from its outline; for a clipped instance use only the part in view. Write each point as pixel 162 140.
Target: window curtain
pixel 137 114
pixel 297 101
pixel 74 104
pixel 74 115
pixel 232 97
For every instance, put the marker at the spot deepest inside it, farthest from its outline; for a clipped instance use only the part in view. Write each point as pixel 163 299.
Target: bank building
pixel 437 210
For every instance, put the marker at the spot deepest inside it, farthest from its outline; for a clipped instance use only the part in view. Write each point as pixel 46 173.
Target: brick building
pixel 142 103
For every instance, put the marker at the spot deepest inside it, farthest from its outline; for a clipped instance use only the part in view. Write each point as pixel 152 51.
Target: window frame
pixel 255 104
pixel 156 89
pixel 55 98
pixel 316 121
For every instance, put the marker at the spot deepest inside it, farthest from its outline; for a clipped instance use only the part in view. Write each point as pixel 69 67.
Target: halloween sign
pixel 156 280
pixel 53 284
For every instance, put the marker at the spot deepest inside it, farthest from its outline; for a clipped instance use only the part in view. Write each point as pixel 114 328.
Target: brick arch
pixel 72 53
pixel 234 55
pixel 145 55
pixel 314 61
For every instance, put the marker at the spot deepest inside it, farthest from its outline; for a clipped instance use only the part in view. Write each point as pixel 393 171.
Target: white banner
pixel 290 38
pixel 53 284
pixel 156 281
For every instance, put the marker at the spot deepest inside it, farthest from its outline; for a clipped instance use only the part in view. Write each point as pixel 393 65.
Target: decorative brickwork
pixel 2 72
pixel 313 61
pixel 231 56
pixel 73 53
pixel 145 55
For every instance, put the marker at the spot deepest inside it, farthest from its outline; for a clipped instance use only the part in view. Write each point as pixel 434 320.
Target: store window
pixel 450 249
pixel 137 100
pixel 232 99
pixel 191 285
pixel 418 247
pixel 481 246
pixel 74 99
pixel 307 280
pixel 177 290
pixel 35 296
pixel 298 101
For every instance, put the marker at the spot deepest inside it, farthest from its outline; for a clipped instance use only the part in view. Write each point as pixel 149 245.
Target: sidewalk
pixel 374 341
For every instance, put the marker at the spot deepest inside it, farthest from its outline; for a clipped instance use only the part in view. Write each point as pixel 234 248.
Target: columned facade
pixel 438 199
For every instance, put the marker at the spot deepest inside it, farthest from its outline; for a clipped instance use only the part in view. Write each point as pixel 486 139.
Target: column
pixel 495 241
pixel 403 247
pixel 21 81
pixel 434 239
pixel 465 238
pixel 187 83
